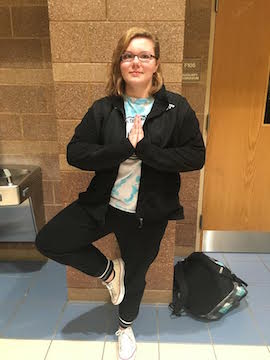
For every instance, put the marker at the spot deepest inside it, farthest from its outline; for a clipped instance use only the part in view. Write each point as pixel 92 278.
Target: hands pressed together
pixel 136 133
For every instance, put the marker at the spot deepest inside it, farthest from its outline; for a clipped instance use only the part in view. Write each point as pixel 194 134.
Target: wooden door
pixel 236 193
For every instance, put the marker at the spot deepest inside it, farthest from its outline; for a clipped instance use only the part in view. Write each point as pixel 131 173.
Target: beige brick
pixel 39 127
pixel 190 211
pixel 146 10
pixel 63 164
pixel 73 183
pixel 47 187
pixel 46 51
pixel 51 211
pixel 195 48
pixel 174 87
pixel 195 94
pixel 77 10
pixel 198 20
pixel 26 53
pixel 103 38
pixel 24 98
pixel 160 275
pixel 96 91
pixel 26 76
pixel 172 72
pixel 80 72
pixel 71 100
pixel 69 42
pixel 5 23
pixel 185 234
pixel 30 21
pixel 48 163
pixel 10 127
pixel 28 147
pixel 190 186
pixel 57 192
pixel 65 132
pixel 22 2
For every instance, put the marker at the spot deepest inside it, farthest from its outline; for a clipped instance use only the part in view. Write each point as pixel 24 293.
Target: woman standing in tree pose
pixel 137 140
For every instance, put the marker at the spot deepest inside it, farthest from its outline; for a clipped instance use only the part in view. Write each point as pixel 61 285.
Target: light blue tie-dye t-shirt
pixel 125 190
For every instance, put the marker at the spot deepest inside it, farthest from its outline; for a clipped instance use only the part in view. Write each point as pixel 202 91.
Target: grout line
pixel 157 325
pixel 11 22
pixel 257 326
pixel 56 326
pixel 212 341
pixel 18 305
pixel 104 344
pixel 264 264
pixel 226 262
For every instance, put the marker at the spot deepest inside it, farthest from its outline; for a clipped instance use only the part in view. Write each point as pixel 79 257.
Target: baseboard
pixel 149 297
pixel 20 251
pixel 183 250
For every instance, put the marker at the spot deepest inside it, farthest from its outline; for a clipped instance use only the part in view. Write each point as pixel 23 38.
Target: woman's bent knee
pixel 40 243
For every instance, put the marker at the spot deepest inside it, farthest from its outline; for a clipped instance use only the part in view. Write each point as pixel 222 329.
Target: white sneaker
pixel 117 287
pixel 126 344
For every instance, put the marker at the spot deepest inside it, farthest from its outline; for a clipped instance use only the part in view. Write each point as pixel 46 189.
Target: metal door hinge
pixel 207 122
pixel 201 222
pixel 216 6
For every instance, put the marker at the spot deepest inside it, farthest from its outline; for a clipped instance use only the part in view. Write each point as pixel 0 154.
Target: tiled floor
pixel 38 323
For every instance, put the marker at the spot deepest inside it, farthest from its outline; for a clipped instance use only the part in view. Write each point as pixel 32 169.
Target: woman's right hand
pixel 136 133
pixel 133 135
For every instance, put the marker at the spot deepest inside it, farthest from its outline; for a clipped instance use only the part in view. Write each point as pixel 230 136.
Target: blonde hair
pixel 116 83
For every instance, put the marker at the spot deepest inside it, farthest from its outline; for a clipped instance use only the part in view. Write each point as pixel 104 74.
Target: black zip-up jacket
pixel 172 143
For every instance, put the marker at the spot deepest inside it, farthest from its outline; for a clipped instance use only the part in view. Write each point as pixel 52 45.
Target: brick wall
pixel 28 129
pixel 196 46
pixel 83 36
pixel 53 65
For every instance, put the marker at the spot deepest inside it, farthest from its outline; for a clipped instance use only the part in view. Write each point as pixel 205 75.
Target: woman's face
pixel 137 74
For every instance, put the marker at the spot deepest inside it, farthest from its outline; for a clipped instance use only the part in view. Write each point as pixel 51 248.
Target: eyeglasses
pixel 143 57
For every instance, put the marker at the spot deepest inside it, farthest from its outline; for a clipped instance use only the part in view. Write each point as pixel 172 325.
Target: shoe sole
pixel 122 285
pixel 132 357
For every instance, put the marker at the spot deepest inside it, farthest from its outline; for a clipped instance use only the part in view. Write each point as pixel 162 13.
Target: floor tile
pixel 144 327
pixel 183 329
pixel 20 268
pixel 24 349
pixel 267 264
pixel 186 351
pixel 145 351
pixel 50 283
pixel 34 320
pixel 84 321
pixel 264 257
pixel 12 294
pixel 70 350
pixel 236 328
pixel 258 296
pixel 241 352
pixel 262 318
pixel 237 257
pixel 252 272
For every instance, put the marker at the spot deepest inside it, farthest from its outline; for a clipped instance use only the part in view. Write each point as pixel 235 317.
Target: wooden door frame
pixel 199 232
pixel 234 240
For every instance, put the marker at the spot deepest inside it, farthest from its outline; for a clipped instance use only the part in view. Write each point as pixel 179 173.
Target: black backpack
pixel 205 288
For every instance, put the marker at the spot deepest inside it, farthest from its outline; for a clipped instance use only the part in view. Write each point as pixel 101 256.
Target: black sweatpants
pixel 68 239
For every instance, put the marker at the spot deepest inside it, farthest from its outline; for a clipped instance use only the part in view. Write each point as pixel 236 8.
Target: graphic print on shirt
pixel 125 190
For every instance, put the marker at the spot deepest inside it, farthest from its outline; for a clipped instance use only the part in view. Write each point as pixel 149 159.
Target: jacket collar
pixel 161 102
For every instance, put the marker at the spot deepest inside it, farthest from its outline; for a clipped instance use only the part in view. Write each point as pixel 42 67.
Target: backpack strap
pixel 180 289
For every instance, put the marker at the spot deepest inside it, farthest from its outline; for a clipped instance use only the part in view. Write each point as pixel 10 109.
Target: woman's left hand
pixel 138 127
